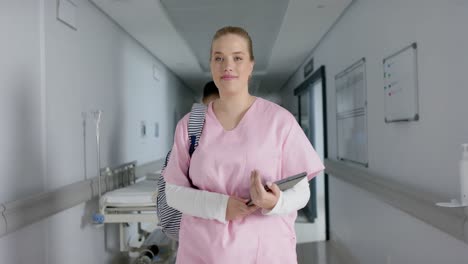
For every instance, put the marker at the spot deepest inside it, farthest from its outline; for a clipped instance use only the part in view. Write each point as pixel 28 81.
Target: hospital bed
pixel 132 204
pixel 131 201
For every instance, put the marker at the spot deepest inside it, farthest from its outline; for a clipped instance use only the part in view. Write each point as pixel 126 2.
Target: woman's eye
pixel 238 58
pixel 218 59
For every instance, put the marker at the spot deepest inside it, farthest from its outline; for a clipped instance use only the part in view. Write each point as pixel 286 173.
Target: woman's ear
pixel 251 67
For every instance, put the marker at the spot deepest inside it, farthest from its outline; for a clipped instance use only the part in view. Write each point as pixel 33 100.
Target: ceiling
pixel 179 33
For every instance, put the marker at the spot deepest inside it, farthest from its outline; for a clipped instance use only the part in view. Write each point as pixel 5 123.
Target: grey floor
pixel 317 253
pixel 307 253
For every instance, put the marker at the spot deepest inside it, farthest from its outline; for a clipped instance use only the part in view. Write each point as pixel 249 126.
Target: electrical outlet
pixel 143 129
pixel 156 74
pixel 156 130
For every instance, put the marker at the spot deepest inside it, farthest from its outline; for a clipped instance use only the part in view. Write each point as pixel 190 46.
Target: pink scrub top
pixel 267 139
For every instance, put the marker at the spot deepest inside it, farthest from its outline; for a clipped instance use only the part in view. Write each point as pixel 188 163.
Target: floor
pixel 318 253
pixel 307 253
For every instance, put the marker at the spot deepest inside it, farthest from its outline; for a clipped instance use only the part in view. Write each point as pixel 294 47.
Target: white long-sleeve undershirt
pixel 210 205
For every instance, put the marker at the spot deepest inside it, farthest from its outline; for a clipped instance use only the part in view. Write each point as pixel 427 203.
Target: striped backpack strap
pixel 169 218
pixel 195 125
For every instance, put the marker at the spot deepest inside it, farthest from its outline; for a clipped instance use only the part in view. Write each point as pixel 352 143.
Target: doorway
pixel 312 222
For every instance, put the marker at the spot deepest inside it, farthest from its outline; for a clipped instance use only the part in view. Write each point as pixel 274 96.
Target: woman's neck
pixel 234 104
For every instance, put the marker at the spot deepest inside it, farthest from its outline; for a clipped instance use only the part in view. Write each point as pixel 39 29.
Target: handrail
pixel 23 212
pixel 417 203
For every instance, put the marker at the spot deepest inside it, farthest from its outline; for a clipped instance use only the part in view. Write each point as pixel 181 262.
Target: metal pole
pixel 97 119
pixel 84 116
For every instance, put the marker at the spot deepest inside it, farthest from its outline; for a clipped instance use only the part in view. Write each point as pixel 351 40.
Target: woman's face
pixel 230 64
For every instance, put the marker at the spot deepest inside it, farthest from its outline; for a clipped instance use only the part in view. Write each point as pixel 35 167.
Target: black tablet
pixel 286 183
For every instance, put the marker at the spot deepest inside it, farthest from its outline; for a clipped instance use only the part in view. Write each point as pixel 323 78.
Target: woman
pixel 210 92
pixel 246 142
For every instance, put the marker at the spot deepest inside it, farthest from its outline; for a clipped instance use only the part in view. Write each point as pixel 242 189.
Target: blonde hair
pixel 236 31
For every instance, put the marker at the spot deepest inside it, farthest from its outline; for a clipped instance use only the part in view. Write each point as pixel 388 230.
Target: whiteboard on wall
pixel 401 85
pixel 351 113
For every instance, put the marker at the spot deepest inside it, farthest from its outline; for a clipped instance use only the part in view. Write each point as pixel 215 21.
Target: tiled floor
pixel 317 253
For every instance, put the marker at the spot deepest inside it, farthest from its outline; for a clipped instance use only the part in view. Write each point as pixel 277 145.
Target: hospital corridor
pixel 233 131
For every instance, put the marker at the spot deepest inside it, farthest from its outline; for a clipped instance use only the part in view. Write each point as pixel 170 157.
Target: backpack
pixel 169 218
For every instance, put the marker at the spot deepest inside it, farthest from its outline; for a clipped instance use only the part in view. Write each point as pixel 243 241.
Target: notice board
pixel 351 113
pixel 401 85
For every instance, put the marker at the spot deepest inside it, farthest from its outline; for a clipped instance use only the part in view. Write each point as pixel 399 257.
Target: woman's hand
pixel 237 208
pixel 260 197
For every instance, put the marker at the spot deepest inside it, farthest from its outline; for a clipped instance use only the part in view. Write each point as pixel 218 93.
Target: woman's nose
pixel 227 65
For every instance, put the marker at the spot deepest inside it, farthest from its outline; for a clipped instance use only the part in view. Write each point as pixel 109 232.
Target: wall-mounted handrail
pixel 23 212
pixel 417 203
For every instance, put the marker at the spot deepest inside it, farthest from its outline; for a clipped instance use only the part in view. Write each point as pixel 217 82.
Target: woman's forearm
pixel 291 200
pixel 197 203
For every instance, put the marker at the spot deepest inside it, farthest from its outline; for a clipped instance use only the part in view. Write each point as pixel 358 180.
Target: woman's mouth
pixel 228 77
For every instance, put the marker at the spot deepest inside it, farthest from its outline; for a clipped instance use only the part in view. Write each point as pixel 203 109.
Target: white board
pixel 351 113
pixel 401 85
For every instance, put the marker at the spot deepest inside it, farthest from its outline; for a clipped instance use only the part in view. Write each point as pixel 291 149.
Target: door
pixel 311 117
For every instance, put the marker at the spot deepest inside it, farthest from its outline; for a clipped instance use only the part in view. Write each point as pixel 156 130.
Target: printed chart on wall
pixel 401 85
pixel 351 113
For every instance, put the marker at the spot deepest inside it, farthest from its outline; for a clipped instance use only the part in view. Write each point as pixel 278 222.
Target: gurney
pixel 132 204
pixel 133 201
pixel 129 200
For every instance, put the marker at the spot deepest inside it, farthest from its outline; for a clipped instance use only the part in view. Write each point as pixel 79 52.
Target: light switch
pixel 66 12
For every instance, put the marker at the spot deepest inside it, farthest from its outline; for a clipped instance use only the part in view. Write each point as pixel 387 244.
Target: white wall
pixel 49 75
pixel 421 154
pixel 273 97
